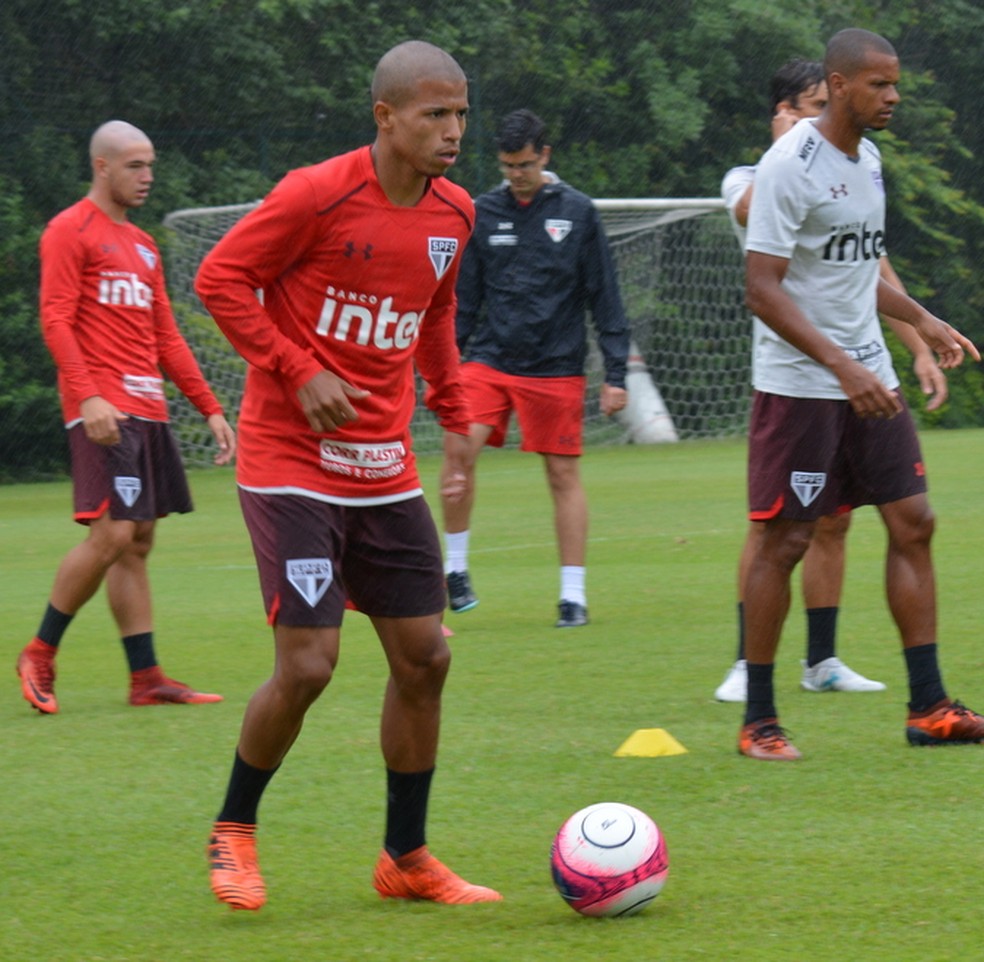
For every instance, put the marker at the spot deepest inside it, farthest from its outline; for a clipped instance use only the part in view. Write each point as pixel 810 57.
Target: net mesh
pixel 681 277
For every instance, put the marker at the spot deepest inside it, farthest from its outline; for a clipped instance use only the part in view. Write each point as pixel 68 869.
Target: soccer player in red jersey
pixel 356 260
pixel 107 321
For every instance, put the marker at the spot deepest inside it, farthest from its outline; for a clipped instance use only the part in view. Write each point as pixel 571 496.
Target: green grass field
pixel 868 849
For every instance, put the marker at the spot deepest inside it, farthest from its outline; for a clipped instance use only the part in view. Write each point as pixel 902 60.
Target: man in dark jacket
pixel 537 261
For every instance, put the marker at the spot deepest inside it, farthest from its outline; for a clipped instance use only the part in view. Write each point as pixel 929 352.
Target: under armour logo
pixel 839 191
pixel 350 250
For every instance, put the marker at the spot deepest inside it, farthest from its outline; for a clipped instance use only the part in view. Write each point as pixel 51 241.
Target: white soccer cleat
pixel 832 674
pixel 735 684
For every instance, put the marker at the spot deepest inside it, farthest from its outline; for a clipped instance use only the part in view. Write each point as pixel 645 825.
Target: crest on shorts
pixel 128 489
pixel 149 257
pixel 807 485
pixel 557 229
pixel 310 577
pixel 442 251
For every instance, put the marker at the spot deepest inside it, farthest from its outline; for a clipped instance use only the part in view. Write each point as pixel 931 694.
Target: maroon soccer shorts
pixel 140 479
pixel 312 556
pixel 808 457
pixel 550 410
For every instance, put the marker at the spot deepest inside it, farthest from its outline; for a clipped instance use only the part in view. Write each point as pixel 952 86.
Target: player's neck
pixel 402 185
pixel 841 134
pixel 107 205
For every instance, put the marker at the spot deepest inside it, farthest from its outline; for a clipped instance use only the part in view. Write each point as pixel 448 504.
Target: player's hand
pixel 224 436
pixel 101 420
pixel 932 381
pixel 866 393
pixel 325 400
pixel 457 467
pixel 783 120
pixel 612 399
pixel 947 342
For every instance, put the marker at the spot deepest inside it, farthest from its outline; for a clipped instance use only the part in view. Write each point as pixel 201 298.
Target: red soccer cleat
pixel 150 686
pixel 36 668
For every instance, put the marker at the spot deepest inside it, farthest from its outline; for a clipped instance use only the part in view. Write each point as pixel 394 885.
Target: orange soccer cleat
pixel 233 869
pixel 946 723
pixel 418 875
pixel 765 740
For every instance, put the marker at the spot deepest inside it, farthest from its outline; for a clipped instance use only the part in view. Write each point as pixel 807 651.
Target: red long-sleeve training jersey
pixel 107 320
pixel 353 284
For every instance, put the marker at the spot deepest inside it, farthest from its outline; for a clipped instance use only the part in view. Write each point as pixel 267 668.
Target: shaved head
pixel 113 137
pixel 404 66
pixel 848 51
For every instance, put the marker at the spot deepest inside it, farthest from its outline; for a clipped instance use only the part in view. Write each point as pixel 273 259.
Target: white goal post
pixel 681 275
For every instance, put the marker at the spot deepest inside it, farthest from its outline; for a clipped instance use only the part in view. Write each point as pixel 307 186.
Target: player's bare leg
pixel 305 660
pixel 823 582
pixel 571 526
pixel 77 579
pixel 910 583
pixel 419 659
pixel 456 513
pixel 767 597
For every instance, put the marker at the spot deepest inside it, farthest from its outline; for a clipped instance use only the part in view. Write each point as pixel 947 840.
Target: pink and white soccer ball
pixel 609 859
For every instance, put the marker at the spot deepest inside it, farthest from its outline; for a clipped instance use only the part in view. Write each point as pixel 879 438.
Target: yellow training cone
pixel 650 743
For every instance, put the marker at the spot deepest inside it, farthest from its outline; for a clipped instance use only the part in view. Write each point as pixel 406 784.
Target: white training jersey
pixel 825 213
pixel 736 181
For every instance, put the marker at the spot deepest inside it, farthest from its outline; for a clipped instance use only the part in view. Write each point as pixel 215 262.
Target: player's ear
pixel 545 154
pixel 383 114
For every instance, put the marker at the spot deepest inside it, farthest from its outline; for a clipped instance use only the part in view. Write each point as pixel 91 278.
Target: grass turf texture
pixel 866 849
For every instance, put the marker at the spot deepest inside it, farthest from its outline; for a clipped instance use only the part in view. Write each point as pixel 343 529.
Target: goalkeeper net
pixel 681 276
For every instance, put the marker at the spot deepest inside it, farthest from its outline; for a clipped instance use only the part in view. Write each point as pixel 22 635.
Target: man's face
pixel 129 174
pixel 427 129
pixel 810 102
pixel 524 171
pixel 872 93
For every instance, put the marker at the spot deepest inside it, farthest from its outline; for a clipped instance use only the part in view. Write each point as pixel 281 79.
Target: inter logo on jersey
pixel 310 577
pixel 557 229
pixel 807 485
pixel 441 251
pixel 128 489
pixel 149 257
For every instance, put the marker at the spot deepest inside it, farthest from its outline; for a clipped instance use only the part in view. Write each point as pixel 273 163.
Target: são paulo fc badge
pixel 807 485
pixel 441 251
pixel 128 489
pixel 310 577
pixel 557 228
pixel 149 257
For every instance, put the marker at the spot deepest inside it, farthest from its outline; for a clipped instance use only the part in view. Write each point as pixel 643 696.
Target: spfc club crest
pixel 442 251
pixel 310 577
pixel 557 229
pixel 149 257
pixel 807 485
pixel 128 489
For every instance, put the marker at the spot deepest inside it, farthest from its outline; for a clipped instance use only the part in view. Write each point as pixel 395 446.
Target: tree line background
pixel 645 98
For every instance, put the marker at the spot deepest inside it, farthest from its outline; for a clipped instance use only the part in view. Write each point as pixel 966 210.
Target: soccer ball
pixel 609 859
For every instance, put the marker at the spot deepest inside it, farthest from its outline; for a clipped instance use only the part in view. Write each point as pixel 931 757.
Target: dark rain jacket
pixel 528 276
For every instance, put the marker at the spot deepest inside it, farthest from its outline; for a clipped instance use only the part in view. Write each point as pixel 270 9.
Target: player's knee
pixel 423 669
pixel 307 677
pixel 917 528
